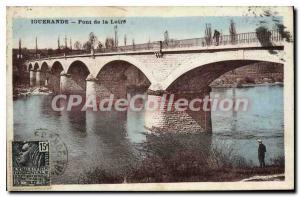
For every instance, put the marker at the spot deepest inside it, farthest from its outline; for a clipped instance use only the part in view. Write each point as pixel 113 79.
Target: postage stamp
pixel 30 163
pixel 58 151
pixel 150 98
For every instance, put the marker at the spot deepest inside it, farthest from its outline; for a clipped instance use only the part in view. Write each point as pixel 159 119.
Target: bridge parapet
pixel 250 39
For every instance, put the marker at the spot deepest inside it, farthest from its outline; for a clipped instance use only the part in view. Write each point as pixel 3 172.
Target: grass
pixel 184 158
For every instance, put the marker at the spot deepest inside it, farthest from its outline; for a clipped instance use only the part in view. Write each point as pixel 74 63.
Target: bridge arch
pixel 221 61
pixel 78 73
pixel 30 67
pixel 44 66
pixel 120 77
pixel 127 59
pixel 56 67
pixel 194 83
pixel 44 76
pixel 36 66
pixel 76 66
pixel 54 76
pixel 200 77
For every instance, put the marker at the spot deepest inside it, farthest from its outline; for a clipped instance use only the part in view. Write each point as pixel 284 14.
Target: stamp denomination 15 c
pixel 30 163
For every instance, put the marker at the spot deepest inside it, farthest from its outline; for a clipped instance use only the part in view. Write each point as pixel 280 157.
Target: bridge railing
pixel 267 38
pixel 264 38
pixel 135 47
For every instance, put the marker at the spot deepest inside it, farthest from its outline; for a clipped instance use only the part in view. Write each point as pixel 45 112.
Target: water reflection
pixel 116 141
pixel 263 119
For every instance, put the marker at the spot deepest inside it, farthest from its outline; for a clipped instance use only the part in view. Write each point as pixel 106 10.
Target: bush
pixel 183 158
pixel 249 80
pixel 278 79
pixel 98 176
pixel 278 161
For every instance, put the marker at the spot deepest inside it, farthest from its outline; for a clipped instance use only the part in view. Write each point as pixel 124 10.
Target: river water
pixel 110 139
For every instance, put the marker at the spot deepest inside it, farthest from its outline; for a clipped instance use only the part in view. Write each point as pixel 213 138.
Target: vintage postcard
pixel 150 98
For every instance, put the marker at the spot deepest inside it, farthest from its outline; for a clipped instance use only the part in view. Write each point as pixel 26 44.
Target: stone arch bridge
pixel 173 70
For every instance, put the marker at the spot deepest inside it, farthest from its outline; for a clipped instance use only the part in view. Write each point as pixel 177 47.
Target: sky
pixel 140 28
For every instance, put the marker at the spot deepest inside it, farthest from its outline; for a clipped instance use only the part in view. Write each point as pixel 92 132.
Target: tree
pixel 149 43
pixel 50 51
pixel 77 45
pixel 109 43
pixel 166 37
pixel 92 39
pixel 125 40
pixel 116 36
pixel 283 33
pixel 208 34
pixel 232 32
pixel 133 44
pixel 87 46
pixel 264 36
pixel 91 43
pixel 99 45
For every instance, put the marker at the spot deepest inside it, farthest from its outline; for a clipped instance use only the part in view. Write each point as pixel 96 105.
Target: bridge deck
pixel 270 39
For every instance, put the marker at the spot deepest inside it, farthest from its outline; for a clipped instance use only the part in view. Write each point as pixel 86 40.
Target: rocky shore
pixel 274 177
pixel 244 82
pixel 23 91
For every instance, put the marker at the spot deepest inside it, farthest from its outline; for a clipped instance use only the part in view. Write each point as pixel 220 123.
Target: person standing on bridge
pixel 261 153
pixel 216 37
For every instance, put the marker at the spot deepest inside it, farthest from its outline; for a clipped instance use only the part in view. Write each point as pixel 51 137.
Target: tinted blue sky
pixel 139 28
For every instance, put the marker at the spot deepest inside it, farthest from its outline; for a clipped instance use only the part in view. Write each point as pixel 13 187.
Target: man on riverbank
pixel 261 153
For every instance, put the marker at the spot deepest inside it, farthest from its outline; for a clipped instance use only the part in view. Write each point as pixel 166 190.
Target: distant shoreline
pixel 246 85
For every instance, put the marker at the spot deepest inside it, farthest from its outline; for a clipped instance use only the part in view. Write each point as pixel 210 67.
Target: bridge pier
pixel 64 83
pixel 37 77
pixel 168 119
pixel 32 75
pixel 44 77
pixel 69 86
pixel 54 81
pixel 91 86
pixel 103 90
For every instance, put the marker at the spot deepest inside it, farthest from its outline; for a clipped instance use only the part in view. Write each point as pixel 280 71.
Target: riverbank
pixel 180 173
pixel 245 85
pixel 248 78
pixel 275 177
pixel 23 91
pixel 186 160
